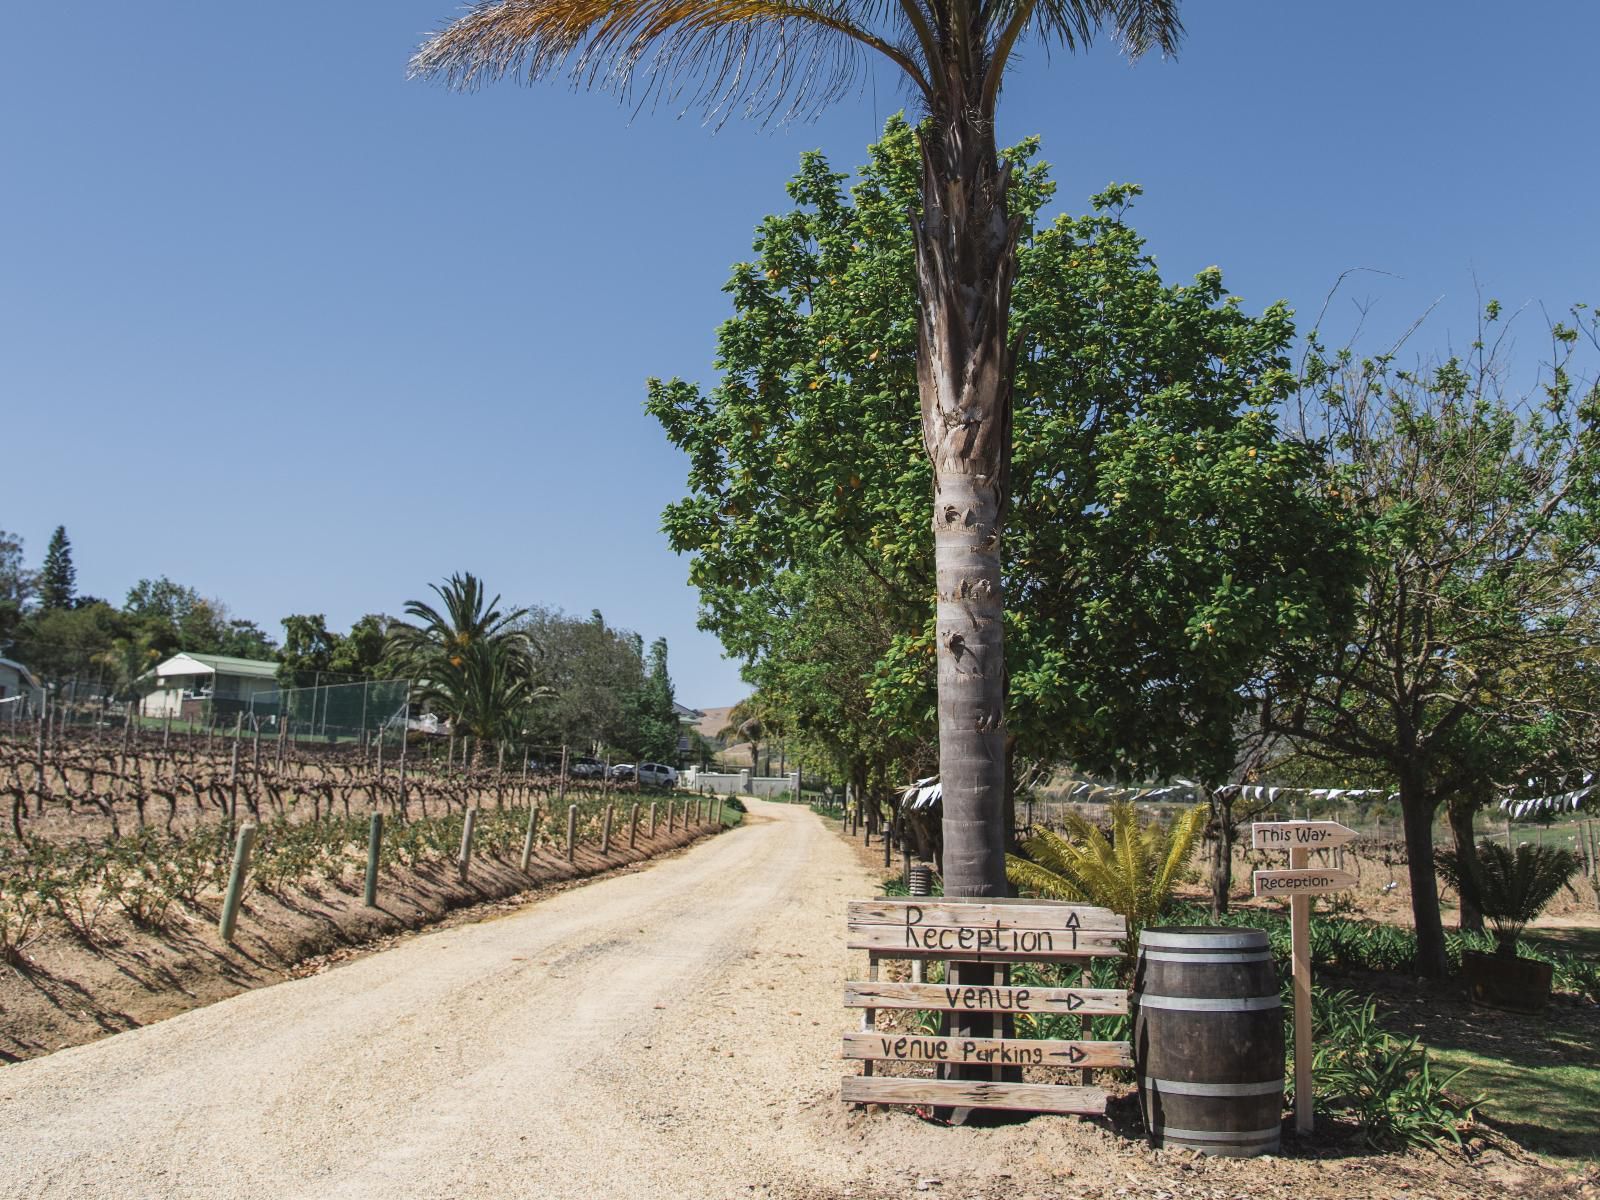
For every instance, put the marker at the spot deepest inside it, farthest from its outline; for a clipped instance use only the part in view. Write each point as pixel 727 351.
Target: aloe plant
pixel 1133 873
pixel 1510 889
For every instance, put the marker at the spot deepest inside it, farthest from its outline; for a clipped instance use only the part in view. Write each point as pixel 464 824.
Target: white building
pixel 20 693
pixel 186 682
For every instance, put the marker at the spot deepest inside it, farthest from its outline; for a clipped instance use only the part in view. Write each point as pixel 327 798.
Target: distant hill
pixel 713 722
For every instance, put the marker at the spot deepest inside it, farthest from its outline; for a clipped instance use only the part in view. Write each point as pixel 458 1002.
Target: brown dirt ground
pixel 68 992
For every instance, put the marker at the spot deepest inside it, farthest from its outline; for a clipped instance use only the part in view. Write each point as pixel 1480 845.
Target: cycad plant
pixel 1509 888
pixel 1133 873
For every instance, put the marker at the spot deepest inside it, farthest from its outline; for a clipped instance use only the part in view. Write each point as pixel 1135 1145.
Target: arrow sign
pixel 1074 1002
pixel 1299 835
pixel 1075 1054
pixel 1303 881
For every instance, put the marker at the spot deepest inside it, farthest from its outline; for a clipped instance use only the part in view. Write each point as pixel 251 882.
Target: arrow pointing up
pixel 1072 920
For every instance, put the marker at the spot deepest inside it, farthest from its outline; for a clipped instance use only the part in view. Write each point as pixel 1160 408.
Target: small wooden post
pixel 374 844
pixel 467 826
pixel 719 814
pixel 605 831
pixel 672 813
pixel 652 818
pixel 527 842
pixel 236 878
pixel 572 829
pixel 633 826
pixel 1300 946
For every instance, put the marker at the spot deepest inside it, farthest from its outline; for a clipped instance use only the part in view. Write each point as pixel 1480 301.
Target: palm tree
pixel 777 58
pixel 470 662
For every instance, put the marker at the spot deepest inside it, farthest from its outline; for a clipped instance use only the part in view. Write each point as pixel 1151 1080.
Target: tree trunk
pixel 1416 809
pixel 966 260
pixel 1461 810
pixel 1222 855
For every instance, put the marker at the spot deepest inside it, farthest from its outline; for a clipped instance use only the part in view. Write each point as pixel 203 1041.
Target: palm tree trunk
pixel 966 260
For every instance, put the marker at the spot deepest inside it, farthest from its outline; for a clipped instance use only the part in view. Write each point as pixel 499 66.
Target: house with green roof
pixel 195 685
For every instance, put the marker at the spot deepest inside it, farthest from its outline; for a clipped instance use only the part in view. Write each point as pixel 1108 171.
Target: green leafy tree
pixel 470 661
pixel 772 56
pixel 58 578
pixel 1166 540
pixel 70 643
pixel 129 660
pixel 656 720
pixel 1133 872
pixel 1476 509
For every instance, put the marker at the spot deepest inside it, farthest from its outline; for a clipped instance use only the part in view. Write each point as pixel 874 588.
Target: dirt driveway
pixel 668 1033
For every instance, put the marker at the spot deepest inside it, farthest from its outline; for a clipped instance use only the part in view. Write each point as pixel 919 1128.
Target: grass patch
pixel 1548 1106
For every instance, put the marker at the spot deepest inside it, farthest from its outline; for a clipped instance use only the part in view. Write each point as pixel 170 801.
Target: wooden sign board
pixel 974 1093
pixel 983 932
pixel 1303 881
pixel 1302 835
pixel 989 1052
pixel 1084 1002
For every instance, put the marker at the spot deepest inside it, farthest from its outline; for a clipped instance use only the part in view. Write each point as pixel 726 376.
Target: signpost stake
pixel 1300 939
pixel 374 845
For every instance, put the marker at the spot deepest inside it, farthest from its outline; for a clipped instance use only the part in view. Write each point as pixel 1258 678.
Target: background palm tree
pixel 778 58
pixel 470 662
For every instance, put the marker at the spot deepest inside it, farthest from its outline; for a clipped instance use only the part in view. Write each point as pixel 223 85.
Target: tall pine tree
pixel 58 579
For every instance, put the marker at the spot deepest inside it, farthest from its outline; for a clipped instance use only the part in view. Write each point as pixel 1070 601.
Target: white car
pixel 657 775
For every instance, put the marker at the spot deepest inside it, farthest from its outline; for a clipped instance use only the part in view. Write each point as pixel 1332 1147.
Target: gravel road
pixel 668 1033
pixel 619 1039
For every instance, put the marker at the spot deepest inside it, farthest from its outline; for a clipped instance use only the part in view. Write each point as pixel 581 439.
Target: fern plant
pixel 1509 889
pixel 1133 873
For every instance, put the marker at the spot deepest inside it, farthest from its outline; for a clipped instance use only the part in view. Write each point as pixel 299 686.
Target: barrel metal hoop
pixel 1270 1134
pixel 1212 1003
pixel 1164 956
pixel 1177 1087
pixel 1247 939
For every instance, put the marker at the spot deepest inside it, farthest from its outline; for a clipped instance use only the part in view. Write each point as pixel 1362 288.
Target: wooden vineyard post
pixel 719 814
pixel 992 935
pixel 671 805
pixel 236 878
pixel 464 862
pixel 652 818
pixel 527 841
pixel 1302 883
pixel 633 825
pixel 572 829
pixel 374 845
pixel 605 832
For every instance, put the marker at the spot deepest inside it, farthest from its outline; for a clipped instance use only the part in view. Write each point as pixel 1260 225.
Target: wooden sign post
pixel 989 931
pixel 1301 882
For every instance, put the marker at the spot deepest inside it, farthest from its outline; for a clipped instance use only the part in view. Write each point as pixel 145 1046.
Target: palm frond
pixel 772 57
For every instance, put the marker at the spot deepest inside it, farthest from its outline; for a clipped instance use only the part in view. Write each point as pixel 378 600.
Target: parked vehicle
pixel 586 768
pixel 622 772
pixel 657 775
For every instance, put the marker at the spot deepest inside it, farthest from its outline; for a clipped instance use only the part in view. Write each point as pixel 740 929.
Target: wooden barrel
pixel 1208 1040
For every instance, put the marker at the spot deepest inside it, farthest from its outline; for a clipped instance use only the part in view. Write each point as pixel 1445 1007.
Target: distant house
pixel 20 693
pixel 191 685
pixel 688 718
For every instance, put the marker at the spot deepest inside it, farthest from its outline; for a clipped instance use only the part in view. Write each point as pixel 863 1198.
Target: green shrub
pixel 1388 1085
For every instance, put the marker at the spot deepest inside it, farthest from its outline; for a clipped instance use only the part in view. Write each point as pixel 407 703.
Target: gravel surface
pixel 669 1033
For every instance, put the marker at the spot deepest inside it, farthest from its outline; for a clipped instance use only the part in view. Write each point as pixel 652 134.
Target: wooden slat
pixel 1087 1002
pixel 994 1052
pixel 983 945
pixel 1022 1097
pixel 985 915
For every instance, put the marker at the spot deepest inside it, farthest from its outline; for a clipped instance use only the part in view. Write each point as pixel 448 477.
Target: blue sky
pixel 290 329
